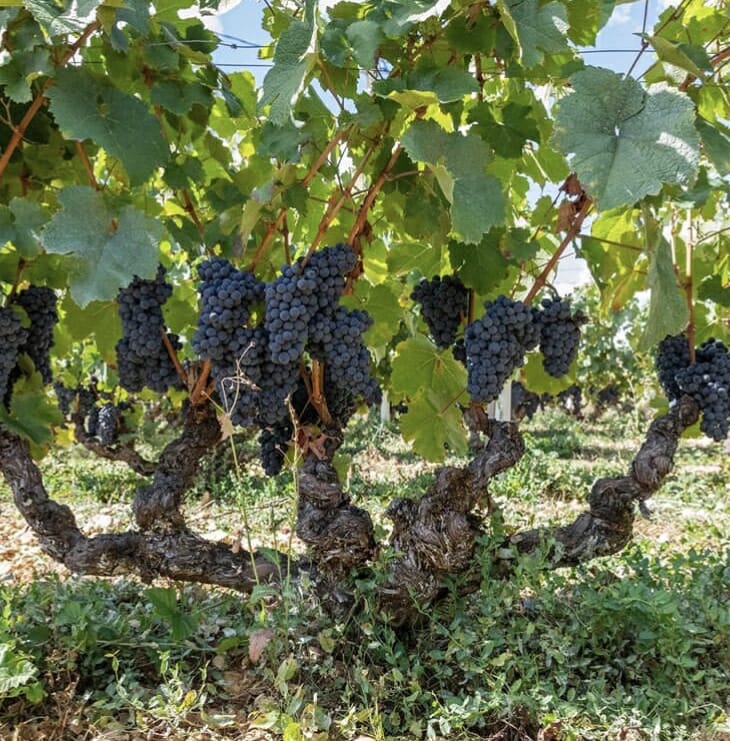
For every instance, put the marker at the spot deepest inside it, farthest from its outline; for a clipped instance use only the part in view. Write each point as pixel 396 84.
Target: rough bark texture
pixel 435 536
pixel 163 547
pixel 607 526
pixel 157 507
pixel 339 535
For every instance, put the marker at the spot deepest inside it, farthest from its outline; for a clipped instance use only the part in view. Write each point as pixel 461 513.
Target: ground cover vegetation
pixel 632 646
pixel 358 232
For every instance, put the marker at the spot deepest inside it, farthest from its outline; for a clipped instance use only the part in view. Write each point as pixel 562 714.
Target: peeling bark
pixel 607 526
pixel 166 551
pixel 435 536
pixel 339 535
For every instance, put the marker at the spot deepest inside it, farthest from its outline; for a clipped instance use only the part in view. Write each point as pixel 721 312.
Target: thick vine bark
pixel 433 538
pixel 607 526
pixel 436 536
pixel 339 535
pixel 163 546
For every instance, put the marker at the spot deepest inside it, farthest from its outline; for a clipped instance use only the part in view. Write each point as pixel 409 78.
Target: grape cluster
pixel 273 444
pixel 226 296
pixel 65 396
pixel 672 356
pixel 257 369
pixel 142 358
pixel 559 335
pixel 108 424
pixel 39 304
pixel 294 299
pixel 496 345
pixel 12 337
pixel 444 302
pixel 707 381
pixel 524 402
pixel 336 338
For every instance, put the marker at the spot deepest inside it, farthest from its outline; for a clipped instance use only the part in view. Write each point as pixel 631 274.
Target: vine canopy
pixel 435 137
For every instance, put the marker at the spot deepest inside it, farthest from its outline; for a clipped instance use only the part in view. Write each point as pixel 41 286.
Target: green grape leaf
pixel 31 411
pixel 509 137
pixel 668 312
pixel 458 162
pixel 106 251
pixel 295 55
pixel 539 382
pixel 18 70
pixel 624 142
pixel 587 18
pixel 87 108
pixel 448 84
pixel 365 37
pixel 480 266
pixel 432 423
pixel 64 17
pixel 716 143
pixel 692 59
pixel 20 224
pixel 99 319
pixel 419 364
pixel 538 29
pixel 714 289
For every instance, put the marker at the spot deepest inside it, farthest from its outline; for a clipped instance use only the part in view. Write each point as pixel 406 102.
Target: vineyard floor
pixel 636 646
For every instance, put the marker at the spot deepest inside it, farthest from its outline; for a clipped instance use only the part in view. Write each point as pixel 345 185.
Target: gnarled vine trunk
pixel 433 538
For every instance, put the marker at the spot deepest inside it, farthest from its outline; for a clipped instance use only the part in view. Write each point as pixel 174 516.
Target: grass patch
pixel 636 646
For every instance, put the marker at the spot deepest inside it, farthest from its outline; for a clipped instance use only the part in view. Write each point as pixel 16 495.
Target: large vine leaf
pixel 87 108
pixel 296 53
pixel 624 142
pixel 434 382
pixel 106 250
pixel 537 28
pixel 668 312
pixel 458 162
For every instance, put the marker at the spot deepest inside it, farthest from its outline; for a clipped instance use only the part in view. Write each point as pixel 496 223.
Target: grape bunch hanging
pixel 707 380
pixel 256 366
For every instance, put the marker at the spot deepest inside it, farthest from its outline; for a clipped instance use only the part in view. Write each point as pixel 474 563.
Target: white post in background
pixel 503 404
pixel 385 408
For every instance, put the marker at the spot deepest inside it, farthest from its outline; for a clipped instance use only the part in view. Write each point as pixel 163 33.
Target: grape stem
pixel 192 213
pixel 86 162
pixel 173 356
pixel 313 170
pixel 569 237
pixel 688 285
pixel 199 392
pixel 40 99
pixel 317 394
